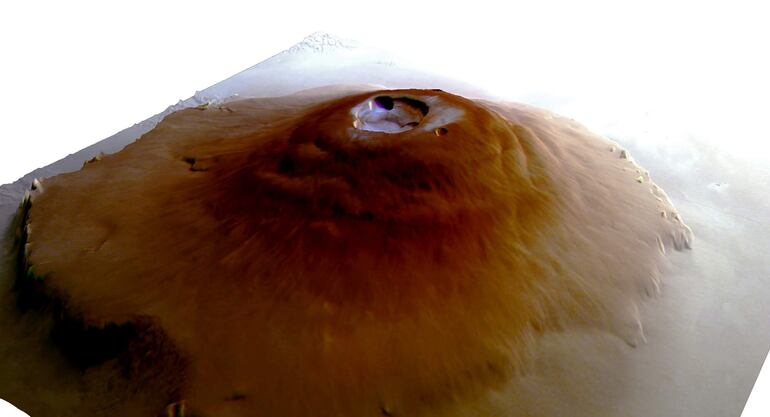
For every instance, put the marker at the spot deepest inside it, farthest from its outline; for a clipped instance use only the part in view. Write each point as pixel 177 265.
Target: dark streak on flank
pixel 236 397
pixel 139 349
pixel 192 161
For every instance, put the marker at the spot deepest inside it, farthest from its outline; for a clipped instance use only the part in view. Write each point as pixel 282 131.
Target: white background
pixel 75 72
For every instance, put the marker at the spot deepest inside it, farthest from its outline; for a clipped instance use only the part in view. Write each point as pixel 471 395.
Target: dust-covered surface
pixel 706 332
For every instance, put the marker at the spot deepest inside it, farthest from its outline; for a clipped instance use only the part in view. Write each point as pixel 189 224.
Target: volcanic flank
pixel 339 253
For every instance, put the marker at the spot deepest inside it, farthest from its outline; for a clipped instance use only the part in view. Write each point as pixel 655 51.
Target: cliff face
pixel 340 252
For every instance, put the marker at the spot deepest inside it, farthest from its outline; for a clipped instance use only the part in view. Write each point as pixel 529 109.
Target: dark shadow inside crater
pixel 389 114
pixel 388 103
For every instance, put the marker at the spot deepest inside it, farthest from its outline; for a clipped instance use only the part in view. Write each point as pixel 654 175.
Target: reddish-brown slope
pixel 303 266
